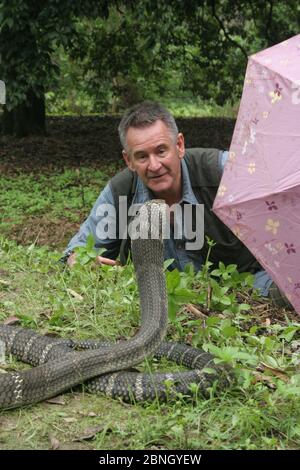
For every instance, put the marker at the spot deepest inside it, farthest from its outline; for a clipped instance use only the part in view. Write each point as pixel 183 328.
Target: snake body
pixel 58 367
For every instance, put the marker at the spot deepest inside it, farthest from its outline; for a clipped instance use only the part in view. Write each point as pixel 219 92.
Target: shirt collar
pixel 187 191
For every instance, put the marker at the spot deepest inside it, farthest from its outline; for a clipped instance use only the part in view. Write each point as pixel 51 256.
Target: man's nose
pixel 154 163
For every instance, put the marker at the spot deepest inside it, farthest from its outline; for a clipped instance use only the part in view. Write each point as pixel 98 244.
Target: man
pixel 159 166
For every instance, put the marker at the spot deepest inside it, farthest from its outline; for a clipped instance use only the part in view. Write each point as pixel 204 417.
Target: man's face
pixel 153 154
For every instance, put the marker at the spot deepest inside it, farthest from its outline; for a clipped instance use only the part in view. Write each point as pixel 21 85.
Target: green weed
pixel 259 411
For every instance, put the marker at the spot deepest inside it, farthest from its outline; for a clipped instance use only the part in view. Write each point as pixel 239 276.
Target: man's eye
pixel 162 151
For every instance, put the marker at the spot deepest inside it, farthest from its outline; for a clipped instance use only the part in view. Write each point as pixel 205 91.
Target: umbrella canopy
pixel 259 194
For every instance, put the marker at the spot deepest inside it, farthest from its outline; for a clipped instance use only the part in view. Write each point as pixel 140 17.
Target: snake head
pixel 147 231
pixel 150 222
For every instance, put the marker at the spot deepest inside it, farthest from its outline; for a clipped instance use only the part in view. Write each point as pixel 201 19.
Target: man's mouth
pixel 155 177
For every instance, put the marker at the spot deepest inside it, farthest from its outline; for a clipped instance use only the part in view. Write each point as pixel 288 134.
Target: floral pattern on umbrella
pixel 259 194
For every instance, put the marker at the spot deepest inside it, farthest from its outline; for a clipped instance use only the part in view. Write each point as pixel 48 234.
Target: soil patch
pixel 41 231
pixel 93 140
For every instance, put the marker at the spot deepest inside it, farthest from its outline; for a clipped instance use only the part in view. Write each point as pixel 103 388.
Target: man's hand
pixel 99 260
pixel 110 262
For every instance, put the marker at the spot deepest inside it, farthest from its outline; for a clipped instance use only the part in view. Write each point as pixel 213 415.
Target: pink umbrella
pixel 259 194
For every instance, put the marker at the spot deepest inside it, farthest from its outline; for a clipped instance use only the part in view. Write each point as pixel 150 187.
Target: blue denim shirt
pixel 173 248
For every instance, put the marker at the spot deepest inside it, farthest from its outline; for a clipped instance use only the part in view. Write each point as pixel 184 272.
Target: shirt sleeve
pixel 223 155
pixel 102 215
pixel 262 282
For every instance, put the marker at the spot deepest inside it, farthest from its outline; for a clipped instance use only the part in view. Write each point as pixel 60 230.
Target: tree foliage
pixel 30 31
pixel 120 52
pixel 177 48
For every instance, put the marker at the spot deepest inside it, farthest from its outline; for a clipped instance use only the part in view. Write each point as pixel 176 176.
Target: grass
pixel 37 291
pixel 36 198
pixel 259 411
pixel 179 107
pixel 198 108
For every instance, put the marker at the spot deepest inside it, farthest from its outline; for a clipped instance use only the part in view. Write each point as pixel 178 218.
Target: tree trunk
pixel 28 118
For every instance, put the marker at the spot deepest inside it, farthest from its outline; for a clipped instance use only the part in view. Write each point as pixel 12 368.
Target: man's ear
pixel 180 145
pixel 127 160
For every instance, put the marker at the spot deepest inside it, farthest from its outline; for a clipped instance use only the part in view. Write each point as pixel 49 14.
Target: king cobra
pixel 58 366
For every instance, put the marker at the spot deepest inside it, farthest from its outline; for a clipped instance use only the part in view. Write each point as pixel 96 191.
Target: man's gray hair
pixel 143 115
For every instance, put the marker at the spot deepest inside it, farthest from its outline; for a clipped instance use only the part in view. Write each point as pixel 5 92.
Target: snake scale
pixel 58 366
